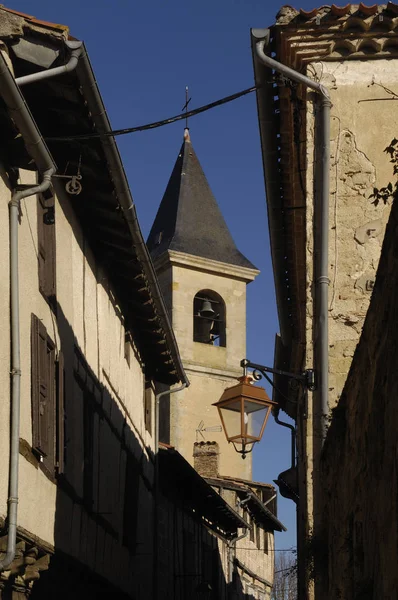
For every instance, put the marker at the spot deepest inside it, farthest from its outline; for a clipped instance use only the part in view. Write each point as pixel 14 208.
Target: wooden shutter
pixel 148 396
pixel 43 393
pixel 258 536
pixel 60 413
pixel 46 246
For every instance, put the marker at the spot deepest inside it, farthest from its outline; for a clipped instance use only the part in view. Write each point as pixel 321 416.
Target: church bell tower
pixel 203 278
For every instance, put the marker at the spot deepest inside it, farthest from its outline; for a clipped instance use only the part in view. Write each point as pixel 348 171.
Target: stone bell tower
pixel 203 277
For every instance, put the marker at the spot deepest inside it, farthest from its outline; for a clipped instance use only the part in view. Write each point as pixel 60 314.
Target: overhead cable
pixel 184 115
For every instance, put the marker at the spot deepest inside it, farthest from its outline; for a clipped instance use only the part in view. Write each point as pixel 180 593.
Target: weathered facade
pixel 101 511
pixel 92 332
pixel 351 51
pixel 359 467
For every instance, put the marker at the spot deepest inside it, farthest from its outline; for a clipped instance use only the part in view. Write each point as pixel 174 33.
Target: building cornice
pixel 205 370
pixel 173 257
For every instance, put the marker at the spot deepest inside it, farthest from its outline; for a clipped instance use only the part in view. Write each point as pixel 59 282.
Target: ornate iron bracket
pixel 307 378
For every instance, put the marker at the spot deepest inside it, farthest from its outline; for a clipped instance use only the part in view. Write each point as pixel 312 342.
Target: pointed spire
pixel 189 219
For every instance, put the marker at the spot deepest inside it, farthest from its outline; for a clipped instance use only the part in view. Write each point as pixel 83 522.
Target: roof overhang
pixel 71 105
pixel 181 482
pixel 328 33
pixel 258 509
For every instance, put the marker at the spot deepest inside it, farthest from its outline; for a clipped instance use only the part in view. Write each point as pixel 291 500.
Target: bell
pixel 207 310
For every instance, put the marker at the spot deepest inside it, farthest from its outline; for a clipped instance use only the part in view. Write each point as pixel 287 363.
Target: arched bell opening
pixel 209 323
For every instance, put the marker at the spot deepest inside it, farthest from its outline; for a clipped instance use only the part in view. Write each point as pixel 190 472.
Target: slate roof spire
pixel 189 219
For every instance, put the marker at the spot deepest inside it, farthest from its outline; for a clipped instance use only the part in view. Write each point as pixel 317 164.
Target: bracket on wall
pixel 307 378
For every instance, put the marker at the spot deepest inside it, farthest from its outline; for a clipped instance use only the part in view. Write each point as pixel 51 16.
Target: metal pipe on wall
pixel 293 436
pixel 37 148
pixel 158 397
pixel 77 49
pixel 12 511
pixel 322 276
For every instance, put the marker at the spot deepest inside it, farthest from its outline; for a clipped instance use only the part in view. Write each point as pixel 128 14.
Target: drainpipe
pixel 232 542
pixel 16 363
pixel 77 49
pixel 293 430
pixel 37 149
pixel 322 280
pixel 158 397
pixel 230 549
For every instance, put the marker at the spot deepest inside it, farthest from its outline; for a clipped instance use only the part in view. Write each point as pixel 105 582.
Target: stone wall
pixel 359 467
pixel 362 125
pixel 205 458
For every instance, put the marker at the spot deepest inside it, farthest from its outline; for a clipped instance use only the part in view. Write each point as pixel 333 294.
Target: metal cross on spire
pixel 185 107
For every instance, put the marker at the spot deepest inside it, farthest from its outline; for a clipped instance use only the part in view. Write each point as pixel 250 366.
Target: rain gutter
pixel 321 244
pixel 75 46
pixel 37 149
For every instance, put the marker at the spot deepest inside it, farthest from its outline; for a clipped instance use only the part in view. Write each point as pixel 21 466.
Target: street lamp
pixel 244 408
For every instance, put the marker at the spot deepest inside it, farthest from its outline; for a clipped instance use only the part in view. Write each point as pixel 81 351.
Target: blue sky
pixel 144 54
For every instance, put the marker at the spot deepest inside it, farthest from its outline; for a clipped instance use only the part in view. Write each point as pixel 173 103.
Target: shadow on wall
pixel 104 535
pixel 104 509
pixel 360 457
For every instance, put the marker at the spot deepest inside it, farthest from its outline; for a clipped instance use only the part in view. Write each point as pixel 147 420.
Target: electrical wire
pixel 154 125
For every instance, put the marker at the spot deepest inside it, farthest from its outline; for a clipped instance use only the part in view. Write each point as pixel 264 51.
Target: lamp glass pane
pixel 254 415
pixel 232 419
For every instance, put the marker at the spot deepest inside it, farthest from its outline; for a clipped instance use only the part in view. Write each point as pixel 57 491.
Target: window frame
pixel 47 400
pixel 46 248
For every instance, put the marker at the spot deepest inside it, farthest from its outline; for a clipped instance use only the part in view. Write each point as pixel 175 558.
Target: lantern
pixel 244 410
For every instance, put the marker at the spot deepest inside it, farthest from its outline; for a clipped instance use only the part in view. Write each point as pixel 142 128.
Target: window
pixel 209 318
pixel 265 542
pixel 258 536
pixel 131 496
pixel 90 396
pixel 210 571
pixel 148 403
pixel 252 530
pixel 46 247
pixel 47 379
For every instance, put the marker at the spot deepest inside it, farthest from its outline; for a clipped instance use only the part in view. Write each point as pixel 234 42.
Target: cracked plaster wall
pixel 362 125
pixel 359 464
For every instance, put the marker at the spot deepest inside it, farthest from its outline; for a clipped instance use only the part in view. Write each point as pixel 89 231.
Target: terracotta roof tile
pixel 368 10
pixel 340 11
pixel 309 14
pixel 35 21
pixel 361 10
